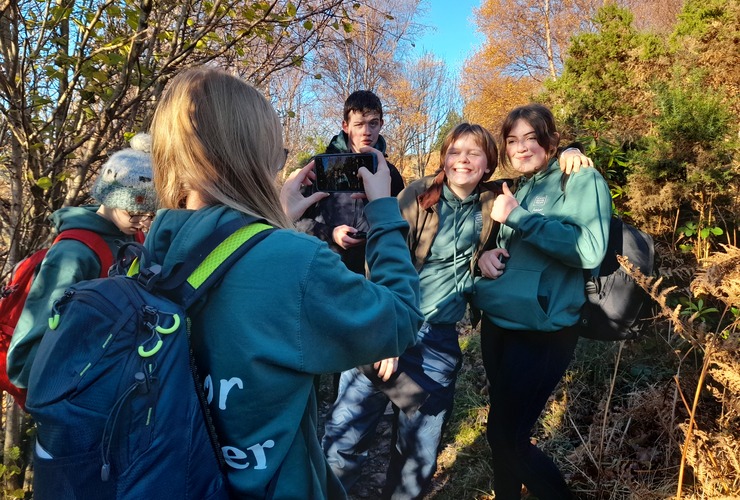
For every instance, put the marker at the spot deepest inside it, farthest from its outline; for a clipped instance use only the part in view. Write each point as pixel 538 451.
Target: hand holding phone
pixel 292 199
pixel 342 237
pixel 377 184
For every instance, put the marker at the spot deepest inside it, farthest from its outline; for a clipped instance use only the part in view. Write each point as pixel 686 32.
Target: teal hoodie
pixel 67 262
pixel 552 236
pixel 445 278
pixel 285 312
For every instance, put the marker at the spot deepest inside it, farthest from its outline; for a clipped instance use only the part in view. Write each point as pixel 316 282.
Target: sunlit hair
pixel 216 134
pixel 483 139
pixel 363 102
pixel 540 118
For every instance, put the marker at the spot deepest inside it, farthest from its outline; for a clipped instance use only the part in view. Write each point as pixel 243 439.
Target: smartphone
pixel 338 172
pixel 359 235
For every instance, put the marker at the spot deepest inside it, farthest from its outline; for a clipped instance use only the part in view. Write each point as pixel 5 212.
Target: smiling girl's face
pixel 524 152
pixel 465 164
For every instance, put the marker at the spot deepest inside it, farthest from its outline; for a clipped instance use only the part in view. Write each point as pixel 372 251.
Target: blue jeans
pixel 428 370
pixel 523 368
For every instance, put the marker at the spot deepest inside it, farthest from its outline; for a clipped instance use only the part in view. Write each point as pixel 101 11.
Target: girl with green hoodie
pixel 448 215
pixel 445 212
pixel 126 202
pixel 527 336
pixel 288 309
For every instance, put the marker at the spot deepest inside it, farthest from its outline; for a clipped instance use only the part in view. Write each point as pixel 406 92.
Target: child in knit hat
pixel 124 187
pixel 126 202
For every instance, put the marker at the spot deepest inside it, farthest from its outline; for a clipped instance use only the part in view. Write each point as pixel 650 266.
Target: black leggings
pixel 523 368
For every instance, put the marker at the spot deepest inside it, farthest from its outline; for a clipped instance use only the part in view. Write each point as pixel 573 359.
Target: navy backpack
pixel 119 409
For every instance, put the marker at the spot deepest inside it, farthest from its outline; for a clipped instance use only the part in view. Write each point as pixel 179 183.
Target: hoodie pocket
pixel 511 301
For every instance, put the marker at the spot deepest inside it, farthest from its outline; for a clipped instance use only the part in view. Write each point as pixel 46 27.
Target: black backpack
pixel 119 409
pixel 615 303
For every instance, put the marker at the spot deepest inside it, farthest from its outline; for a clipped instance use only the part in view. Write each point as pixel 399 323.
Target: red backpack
pixel 14 295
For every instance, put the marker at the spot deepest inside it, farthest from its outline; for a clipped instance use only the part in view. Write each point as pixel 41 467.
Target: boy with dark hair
pixel 337 216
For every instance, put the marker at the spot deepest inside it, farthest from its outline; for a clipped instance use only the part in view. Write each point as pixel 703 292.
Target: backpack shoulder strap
pixel 226 245
pixel 94 242
pixel 563 181
pixel 211 260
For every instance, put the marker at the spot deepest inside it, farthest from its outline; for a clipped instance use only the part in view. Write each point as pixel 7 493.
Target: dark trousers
pixel 523 369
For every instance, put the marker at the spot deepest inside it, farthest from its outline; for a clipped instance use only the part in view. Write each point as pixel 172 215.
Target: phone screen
pixel 338 172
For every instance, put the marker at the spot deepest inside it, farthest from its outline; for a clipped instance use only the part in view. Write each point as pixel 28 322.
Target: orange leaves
pixel 526 42
pixel 488 93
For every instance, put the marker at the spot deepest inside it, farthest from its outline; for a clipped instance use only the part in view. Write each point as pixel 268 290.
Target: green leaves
pixel 689 229
pixel 691 112
pixel 44 183
pixel 700 236
pixel 696 310
pixel 9 469
pixel 714 231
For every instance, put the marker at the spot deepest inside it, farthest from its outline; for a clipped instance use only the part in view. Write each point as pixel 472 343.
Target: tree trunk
pixel 13 438
pixel 548 41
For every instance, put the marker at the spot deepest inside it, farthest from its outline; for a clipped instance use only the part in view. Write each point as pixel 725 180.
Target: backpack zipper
pixel 203 401
pixel 88 297
pixel 140 379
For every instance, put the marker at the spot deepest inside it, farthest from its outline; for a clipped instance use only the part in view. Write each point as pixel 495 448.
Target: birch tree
pixel 366 55
pixel 420 101
pixel 77 76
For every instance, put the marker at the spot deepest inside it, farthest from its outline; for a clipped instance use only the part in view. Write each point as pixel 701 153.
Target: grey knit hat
pixel 125 181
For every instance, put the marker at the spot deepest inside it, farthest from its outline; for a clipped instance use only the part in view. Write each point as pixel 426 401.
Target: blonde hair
pixel 216 134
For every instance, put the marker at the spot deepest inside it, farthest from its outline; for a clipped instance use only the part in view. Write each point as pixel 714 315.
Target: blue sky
pixel 454 37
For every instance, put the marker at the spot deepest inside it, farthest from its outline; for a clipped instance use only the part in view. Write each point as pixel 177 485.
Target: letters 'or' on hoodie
pixel 284 312
pixel 552 236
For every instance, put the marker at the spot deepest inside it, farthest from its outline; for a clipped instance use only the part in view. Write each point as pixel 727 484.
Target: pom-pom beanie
pixel 125 180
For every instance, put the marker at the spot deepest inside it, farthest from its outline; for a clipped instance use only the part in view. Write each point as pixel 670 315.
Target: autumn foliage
pixel 651 91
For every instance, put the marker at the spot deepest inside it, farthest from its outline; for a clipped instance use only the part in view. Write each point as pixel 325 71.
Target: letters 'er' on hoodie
pixel 552 236
pixel 284 312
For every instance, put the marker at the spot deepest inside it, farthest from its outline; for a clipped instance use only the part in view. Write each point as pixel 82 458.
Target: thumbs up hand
pixel 503 205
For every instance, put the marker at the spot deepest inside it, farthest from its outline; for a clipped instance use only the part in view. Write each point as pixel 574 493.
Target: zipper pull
pixel 55 314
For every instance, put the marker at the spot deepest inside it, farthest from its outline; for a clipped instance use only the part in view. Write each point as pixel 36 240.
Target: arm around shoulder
pixel 589 200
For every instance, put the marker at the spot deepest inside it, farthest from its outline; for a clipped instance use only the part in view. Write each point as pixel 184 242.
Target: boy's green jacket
pixel 283 313
pixel 552 236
